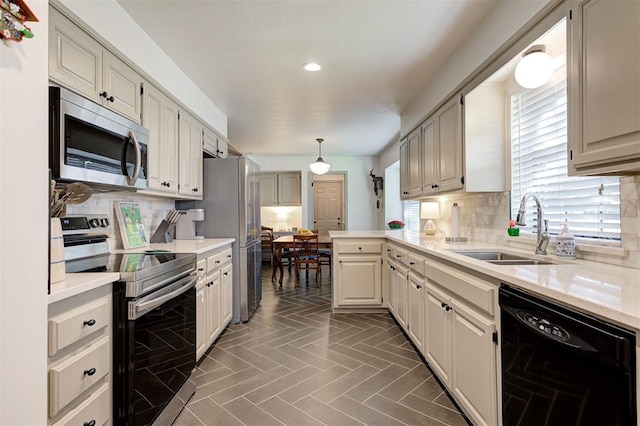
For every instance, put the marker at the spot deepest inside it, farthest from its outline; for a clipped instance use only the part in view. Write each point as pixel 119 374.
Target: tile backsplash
pixel 153 210
pixel 485 217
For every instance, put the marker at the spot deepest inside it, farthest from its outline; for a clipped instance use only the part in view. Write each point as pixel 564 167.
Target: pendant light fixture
pixel 535 68
pixel 319 167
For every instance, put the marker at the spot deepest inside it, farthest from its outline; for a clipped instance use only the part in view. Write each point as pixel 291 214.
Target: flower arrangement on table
pixel 512 230
pixel 396 224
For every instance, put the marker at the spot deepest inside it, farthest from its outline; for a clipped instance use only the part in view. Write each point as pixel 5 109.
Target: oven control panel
pixel 86 224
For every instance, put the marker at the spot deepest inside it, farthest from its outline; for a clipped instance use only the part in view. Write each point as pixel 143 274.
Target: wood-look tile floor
pixel 295 363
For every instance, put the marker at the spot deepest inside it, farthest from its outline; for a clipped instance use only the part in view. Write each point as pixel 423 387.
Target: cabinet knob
pixel 89 423
pixel 412 263
pixel 443 304
pixel 111 99
pixel 388 250
pixel 195 189
pixel 104 94
pixel 229 255
pixel 418 286
pixel 168 185
pixel 90 372
pixel 448 308
pixel 360 248
pixel 225 274
pixel 397 255
pixel 90 323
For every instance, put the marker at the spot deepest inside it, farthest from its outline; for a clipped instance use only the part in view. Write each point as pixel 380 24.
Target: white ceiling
pixel 246 56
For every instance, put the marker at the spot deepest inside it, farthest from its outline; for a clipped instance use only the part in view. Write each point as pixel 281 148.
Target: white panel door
pixel 214 315
pixel 414 163
pixel 122 87
pixel 450 154
pixel 289 189
pixel 268 189
pixel 401 295
pixel 328 206
pixel 429 156
pixel 415 315
pixel 226 274
pixel 393 288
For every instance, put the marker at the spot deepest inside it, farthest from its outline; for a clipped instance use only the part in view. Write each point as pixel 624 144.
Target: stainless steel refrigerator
pixel 231 203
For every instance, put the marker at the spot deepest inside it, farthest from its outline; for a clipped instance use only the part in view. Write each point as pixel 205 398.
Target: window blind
pixel 411 217
pixel 590 206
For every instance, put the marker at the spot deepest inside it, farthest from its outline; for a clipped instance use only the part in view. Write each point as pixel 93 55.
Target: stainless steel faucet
pixel 543 236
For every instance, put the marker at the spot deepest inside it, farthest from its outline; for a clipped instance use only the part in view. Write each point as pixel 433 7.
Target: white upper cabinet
pixel 190 156
pixel 160 117
pixel 604 87
pixel 280 189
pixel 414 164
pixel 214 145
pixel 79 62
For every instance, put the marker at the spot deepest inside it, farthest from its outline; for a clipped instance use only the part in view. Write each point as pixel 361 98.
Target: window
pixel 590 206
pixel 411 217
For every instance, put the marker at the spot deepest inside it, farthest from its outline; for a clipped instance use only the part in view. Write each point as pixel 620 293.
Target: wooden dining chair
pixel 266 240
pixel 306 257
pixel 325 254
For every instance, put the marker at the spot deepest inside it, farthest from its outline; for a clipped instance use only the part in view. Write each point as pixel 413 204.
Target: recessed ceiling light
pixel 312 66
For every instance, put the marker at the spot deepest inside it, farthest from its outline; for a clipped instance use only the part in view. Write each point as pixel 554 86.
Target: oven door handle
pixel 141 307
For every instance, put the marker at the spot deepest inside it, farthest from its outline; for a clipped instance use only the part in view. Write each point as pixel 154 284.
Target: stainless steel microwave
pixel 92 144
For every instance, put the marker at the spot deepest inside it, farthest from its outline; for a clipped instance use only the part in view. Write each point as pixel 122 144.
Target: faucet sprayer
pixel 542 236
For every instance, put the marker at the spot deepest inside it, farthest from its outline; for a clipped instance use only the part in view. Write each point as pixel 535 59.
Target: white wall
pixel 23 234
pixel 504 20
pixel 360 199
pixel 392 202
pixel 135 44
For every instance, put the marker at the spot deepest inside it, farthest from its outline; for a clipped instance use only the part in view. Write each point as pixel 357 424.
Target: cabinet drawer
pixel 476 291
pixel 71 377
pixel 391 251
pixel 77 323
pixel 414 262
pixel 227 256
pixel 96 409
pixel 214 261
pixel 360 247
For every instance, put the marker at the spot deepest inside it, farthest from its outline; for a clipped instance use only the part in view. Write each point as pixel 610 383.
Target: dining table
pixel 286 242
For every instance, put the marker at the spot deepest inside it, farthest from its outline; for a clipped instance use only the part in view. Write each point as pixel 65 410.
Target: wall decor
pixel 13 15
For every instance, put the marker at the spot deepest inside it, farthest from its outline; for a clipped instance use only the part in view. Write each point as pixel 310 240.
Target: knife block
pixel 163 233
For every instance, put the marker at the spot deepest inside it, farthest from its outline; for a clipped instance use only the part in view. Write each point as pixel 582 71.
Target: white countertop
pixel 607 291
pixel 79 282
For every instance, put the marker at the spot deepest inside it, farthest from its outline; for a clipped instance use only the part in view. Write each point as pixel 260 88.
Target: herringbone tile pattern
pixel 295 363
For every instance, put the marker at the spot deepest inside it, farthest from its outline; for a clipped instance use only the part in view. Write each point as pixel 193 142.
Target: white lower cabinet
pixel 214 297
pixel 415 314
pixel 460 347
pixel 392 285
pixel 401 294
pixel 358 274
pixel 79 363
pixel 226 275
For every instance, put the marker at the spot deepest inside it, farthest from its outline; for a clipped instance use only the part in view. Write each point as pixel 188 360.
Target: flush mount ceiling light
pixel 535 68
pixel 319 167
pixel 312 66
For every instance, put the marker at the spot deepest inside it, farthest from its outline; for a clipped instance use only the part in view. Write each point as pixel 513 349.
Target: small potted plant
pixel 396 224
pixel 512 230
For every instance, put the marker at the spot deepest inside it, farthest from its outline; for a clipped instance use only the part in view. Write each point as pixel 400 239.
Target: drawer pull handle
pixel 90 323
pixel 91 423
pixel 412 263
pixel 90 372
pixel 200 269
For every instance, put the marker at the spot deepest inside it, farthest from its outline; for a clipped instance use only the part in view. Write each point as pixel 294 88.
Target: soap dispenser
pixel 565 244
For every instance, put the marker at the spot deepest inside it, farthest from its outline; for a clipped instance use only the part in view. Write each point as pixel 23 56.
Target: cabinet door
pixel 227 293
pixel 401 295
pixel 429 156
pixel 190 154
pixel 201 321
pixel 404 180
pixel 223 148
pixel 414 163
pixel 160 117
pixel 268 189
pixel 415 314
pixel 450 156
pixel 122 86
pixel 604 87
pixel 393 288
pixel 289 189
pixel 438 333
pixel 75 59
pixel 210 142
pixel 359 280
pixel 474 365
pixel 214 317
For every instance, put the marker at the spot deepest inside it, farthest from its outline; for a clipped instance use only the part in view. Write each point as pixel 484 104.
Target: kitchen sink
pixel 500 258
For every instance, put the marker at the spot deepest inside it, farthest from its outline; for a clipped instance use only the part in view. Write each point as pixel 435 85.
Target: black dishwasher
pixel 562 367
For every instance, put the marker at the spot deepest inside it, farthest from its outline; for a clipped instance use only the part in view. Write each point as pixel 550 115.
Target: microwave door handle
pixel 132 180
